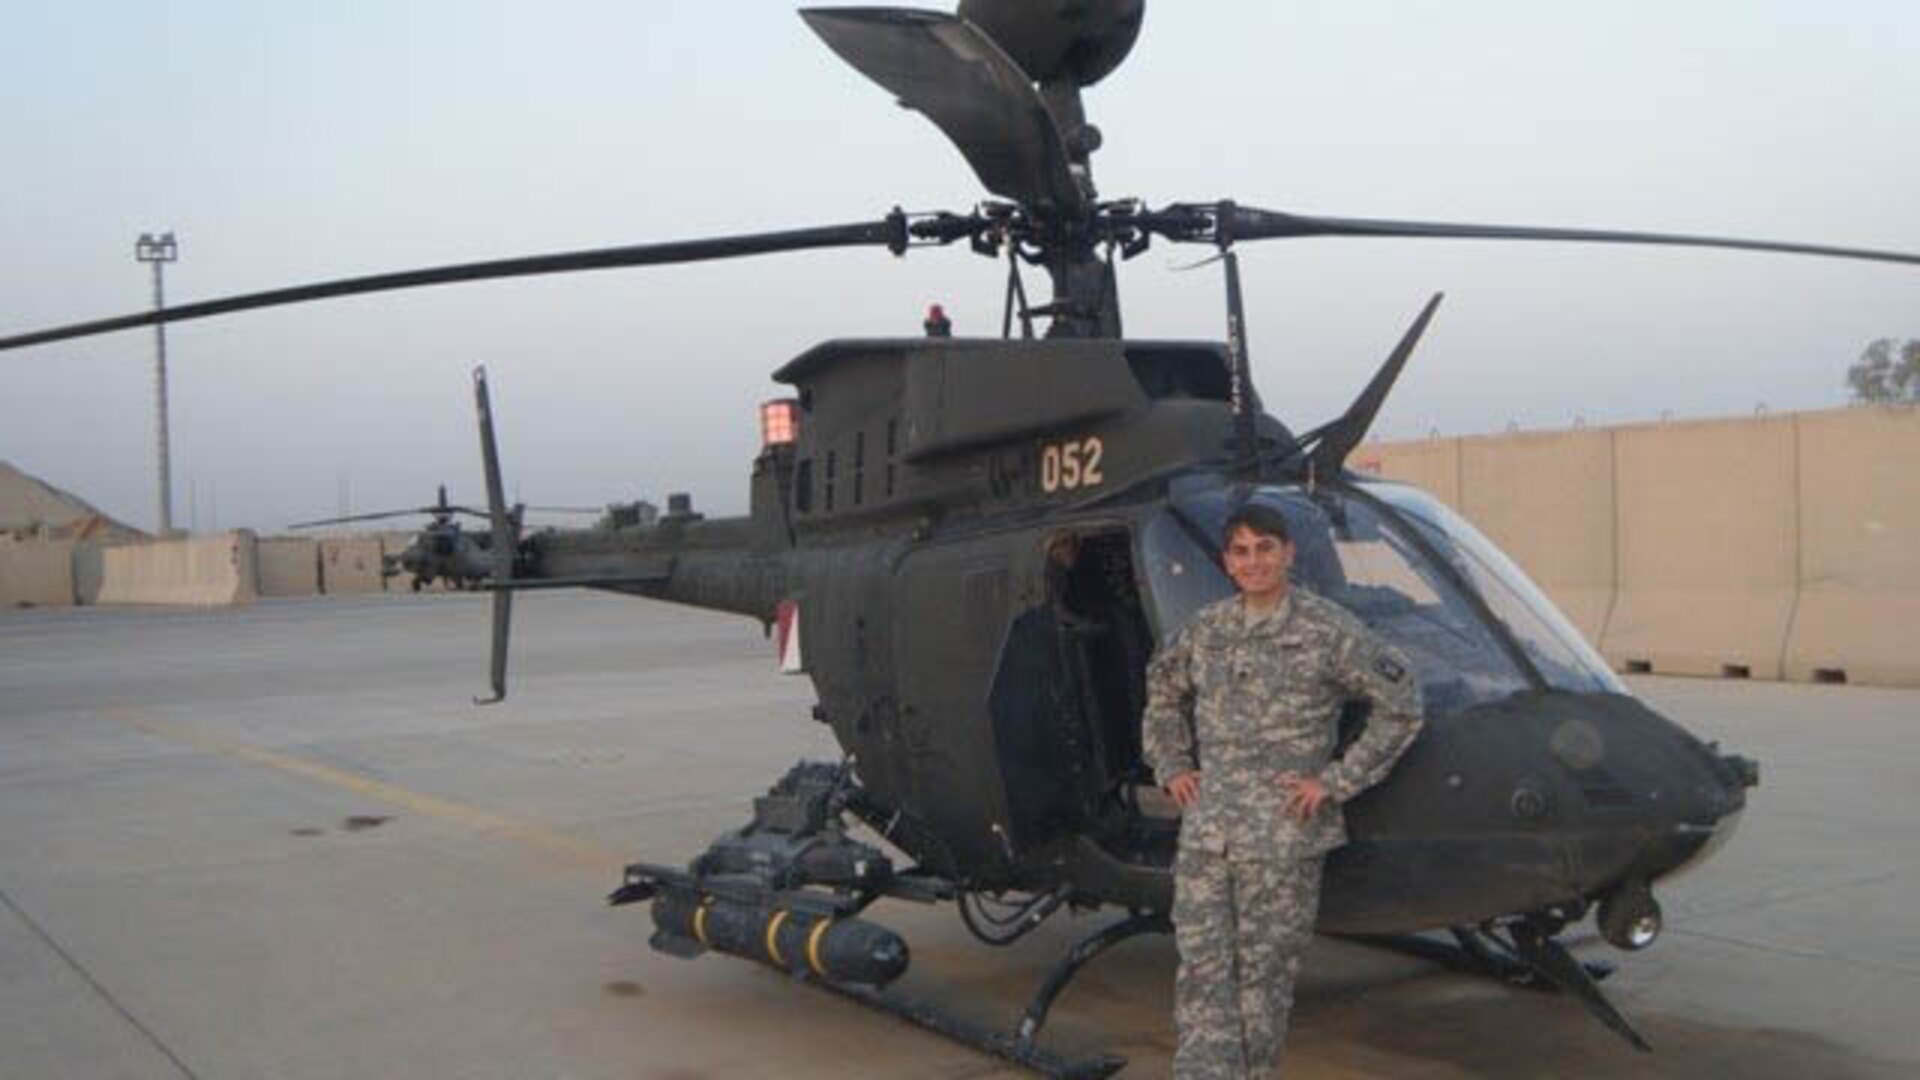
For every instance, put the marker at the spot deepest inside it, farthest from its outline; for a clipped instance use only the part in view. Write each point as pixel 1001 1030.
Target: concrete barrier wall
pixel 89 569
pixel 36 573
pixel 1548 501
pixel 350 565
pixel 206 571
pixel 1433 465
pixel 1709 547
pixel 287 566
pixel 1773 547
pixel 1859 490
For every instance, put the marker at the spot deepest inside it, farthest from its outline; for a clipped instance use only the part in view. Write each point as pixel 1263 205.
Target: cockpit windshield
pixel 1555 647
pixel 1351 552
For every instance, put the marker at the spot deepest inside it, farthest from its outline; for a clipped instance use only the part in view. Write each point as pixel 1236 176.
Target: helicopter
pixel 441 550
pixel 971 547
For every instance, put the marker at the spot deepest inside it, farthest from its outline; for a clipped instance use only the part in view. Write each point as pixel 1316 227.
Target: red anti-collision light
pixel 779 423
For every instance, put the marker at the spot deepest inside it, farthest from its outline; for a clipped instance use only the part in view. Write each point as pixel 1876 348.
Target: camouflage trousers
pixel 1241 928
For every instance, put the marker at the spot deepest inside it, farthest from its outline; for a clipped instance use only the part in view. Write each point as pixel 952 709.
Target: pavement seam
pixel 105 995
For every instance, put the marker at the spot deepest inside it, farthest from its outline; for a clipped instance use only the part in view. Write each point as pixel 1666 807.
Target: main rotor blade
pixel 364 517
pixel 1251 223
pixel 950 70
pixel 887 233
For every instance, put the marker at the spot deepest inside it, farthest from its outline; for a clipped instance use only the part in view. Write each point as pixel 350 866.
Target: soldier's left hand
pixel 1304 794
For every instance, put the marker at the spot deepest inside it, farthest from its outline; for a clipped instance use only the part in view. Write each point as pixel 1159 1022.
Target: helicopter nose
pixel 1669 799
pixel 1709 820
pixel 1712 838
pixel 1628 916
pixel 1735 775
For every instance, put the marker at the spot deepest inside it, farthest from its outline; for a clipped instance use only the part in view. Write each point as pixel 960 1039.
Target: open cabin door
pixel 1069 688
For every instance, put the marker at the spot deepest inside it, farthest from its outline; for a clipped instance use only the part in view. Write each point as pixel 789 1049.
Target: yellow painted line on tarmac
pixel 567 848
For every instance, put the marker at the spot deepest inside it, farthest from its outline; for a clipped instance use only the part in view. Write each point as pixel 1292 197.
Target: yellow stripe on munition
pixel 773 937
pixel 813 945
pixel 700 923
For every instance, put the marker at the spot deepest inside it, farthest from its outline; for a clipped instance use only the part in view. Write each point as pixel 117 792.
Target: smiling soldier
pixel 1241 722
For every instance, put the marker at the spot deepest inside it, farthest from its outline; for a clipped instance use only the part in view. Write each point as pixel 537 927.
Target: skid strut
pixel 1552 960
pixel 1528 957
pixel 1473 953
pixel 1080 956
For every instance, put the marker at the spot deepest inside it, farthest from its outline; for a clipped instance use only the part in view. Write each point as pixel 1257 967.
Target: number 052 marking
pixel 1071 465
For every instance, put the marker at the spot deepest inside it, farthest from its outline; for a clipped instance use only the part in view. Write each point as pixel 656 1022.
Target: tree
pixel 1882 376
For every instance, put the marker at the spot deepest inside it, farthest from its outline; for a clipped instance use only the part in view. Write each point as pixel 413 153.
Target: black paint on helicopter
pixel 972 545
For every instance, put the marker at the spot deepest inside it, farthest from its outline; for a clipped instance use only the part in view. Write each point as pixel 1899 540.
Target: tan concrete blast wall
pixel 1547 500
pixel 1432 465
pixel 1859 488
pixel 350 565
pixel 1787 547
pixel 1709 549
pixel 36 573
pixel 89 570
pixel 208 571
pixel 288 566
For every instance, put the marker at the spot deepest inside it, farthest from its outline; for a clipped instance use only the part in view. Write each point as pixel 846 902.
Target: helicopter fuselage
pixel 978 544
pixel 443 551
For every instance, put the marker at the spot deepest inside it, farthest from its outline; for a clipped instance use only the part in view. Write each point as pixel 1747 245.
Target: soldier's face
pixel 1257 562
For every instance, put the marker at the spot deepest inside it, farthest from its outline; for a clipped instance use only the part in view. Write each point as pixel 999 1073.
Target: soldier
pixel 1242 715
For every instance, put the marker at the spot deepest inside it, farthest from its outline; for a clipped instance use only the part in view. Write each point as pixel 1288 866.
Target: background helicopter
pixel 981 539
pixel 442 550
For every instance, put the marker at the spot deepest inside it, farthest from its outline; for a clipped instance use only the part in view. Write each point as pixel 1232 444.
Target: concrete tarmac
pixel 280 842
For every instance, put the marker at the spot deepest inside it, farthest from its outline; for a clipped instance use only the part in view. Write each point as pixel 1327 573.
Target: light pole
pixel 160 250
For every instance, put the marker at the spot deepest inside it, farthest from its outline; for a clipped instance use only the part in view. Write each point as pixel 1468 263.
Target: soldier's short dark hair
pixel 1257 518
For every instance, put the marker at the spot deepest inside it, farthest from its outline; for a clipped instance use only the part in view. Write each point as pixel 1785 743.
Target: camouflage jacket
pixel 1246 703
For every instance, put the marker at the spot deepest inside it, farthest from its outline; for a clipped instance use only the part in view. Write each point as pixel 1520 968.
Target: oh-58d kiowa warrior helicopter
pixel 972 546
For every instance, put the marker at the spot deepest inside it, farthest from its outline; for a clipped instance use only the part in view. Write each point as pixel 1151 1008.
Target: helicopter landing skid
pixel 1471 953
pixel 1018 1046
pixel 1007 1046
pixel 1528 957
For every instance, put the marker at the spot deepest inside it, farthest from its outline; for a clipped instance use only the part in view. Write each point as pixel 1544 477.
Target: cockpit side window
pixel 1182 571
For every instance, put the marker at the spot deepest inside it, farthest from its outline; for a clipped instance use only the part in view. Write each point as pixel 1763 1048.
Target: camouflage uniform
pixel 1245 699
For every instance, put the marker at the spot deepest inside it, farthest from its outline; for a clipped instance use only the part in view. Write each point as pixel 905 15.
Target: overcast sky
pixel 289 142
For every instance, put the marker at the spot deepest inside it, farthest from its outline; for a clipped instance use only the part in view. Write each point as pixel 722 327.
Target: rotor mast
pixel 1063 46
pixel 1086 293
